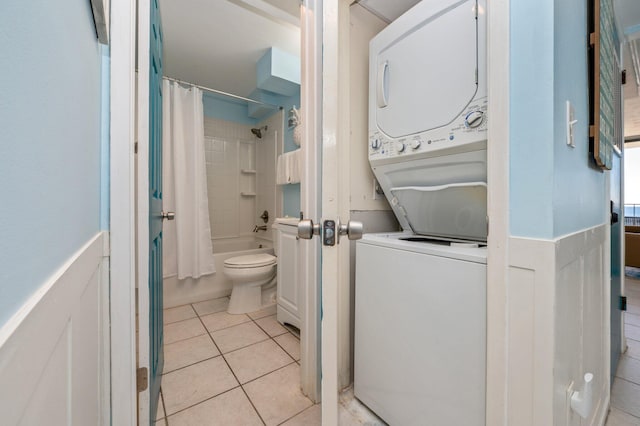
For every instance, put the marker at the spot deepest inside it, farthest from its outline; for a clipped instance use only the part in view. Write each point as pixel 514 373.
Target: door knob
pixel 168 215
pixel 353 229
pixel 307 229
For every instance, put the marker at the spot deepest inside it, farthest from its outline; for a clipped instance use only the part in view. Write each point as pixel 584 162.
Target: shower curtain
pixel 187 249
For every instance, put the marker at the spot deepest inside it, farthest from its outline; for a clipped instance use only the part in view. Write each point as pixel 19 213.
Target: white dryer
pixel 420 321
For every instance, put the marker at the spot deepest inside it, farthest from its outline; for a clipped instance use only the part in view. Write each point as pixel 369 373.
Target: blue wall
pixel 50 116
pixel 553 189
pixel 579 190
pixel 104 136
pixel 237 112
pixel 227 110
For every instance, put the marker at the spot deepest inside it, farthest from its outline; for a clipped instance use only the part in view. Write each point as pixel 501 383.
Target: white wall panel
pixel 556 309
pixel 52 351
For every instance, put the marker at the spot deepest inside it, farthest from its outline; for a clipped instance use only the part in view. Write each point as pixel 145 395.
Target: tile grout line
pixel 200 402
pixel 297 414
pixel 622 411
pixel 241 385
pixel 164 410
pixel 232 372
pixel 274 340
pixel 192 364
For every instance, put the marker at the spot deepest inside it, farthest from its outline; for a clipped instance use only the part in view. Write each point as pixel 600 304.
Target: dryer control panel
pixel 468 127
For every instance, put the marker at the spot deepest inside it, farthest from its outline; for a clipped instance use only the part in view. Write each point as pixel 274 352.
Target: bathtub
pixel 180 292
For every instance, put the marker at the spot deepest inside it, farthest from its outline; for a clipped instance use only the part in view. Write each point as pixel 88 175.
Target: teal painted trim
pixel 105 136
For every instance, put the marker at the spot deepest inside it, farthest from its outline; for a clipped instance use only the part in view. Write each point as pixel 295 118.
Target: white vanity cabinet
pixel 289 291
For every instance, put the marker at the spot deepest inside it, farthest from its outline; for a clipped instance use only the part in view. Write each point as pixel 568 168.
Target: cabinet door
pixel 288 292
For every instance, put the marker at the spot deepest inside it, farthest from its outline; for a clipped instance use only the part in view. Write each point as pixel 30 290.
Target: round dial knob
pixel 375 144
pixel 399 146
pixel 474 119
pixel 416 144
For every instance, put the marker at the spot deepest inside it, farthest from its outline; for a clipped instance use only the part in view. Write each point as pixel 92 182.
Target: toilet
pixel 254 282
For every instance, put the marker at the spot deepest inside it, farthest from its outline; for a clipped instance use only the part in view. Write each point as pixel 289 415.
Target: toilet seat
pixel 250 261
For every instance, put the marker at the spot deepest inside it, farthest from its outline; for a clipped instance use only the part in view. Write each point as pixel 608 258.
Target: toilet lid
pixel 250 261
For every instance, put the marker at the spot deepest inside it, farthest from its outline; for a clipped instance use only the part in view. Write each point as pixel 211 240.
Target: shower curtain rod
pixel 220 92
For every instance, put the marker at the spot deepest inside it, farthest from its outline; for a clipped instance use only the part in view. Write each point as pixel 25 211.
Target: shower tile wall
pixel 269 195
pixel 230 148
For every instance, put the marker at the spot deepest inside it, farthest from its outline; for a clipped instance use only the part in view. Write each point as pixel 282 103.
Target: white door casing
pixel 122 208
pixel 311 107
pixel 497 209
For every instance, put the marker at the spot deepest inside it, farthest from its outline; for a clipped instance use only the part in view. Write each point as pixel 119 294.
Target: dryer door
pixel 425 68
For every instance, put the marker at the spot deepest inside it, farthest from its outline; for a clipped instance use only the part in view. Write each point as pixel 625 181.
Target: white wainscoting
pixel 557 298
pixel 54 353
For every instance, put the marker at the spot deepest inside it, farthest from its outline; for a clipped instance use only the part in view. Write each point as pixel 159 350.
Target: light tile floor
pixel 222 369
pixel 625 393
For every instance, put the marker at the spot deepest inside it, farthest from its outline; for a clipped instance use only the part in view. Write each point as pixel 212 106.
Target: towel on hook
pixel 288 168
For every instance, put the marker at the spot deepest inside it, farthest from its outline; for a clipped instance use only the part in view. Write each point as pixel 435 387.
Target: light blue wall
pixel 226 110
pixel 553 189
pixel 104 136
pixel 50 116
pixel 237 112
pixel 579 190
pixel 531 116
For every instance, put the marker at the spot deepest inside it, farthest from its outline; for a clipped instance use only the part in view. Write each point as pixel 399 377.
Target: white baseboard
pixel 53 349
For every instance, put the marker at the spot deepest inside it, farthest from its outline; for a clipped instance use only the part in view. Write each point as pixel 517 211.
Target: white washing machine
pixel 420 320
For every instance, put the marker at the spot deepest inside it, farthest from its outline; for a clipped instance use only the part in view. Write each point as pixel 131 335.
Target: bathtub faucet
pixel 260 228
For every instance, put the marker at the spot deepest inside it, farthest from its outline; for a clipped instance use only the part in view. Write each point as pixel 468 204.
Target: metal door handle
pixel 353 229
pixel 168 215
pixel 306 229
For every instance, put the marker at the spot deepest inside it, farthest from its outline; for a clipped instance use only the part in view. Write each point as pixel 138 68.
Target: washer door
pixel 425 67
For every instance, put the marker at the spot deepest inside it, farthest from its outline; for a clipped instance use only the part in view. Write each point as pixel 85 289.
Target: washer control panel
pixel 468 127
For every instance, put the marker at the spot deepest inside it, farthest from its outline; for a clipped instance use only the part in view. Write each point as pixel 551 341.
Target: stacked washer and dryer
pixel 420 320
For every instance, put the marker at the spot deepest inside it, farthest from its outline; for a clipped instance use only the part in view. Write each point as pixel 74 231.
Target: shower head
pixel 257 131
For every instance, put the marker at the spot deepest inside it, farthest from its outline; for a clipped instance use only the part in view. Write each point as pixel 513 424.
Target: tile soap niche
pixel 247 159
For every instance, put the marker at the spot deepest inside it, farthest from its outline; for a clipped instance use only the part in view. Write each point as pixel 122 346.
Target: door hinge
pixel 142 379
pixel 135 148
pixel 623 77
pixel 623 303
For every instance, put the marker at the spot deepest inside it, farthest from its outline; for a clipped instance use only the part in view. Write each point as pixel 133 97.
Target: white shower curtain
pixel 187 250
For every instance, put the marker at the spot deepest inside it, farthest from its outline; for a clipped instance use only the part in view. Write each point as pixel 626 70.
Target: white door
pixel 324 200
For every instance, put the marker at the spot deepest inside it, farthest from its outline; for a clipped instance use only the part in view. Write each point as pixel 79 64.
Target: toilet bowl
pixel 253 277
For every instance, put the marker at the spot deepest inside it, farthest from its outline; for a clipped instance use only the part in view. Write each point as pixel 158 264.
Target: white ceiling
pixel 217 43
